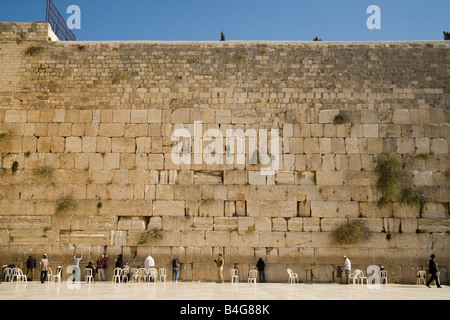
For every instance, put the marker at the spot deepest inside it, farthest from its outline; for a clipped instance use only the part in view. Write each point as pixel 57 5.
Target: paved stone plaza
pixel 217 291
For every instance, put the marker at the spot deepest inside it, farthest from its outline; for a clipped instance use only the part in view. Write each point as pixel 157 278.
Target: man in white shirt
pixel 347 268
pixel 76 267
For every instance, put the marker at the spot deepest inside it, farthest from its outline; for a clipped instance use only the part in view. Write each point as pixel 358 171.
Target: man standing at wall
pixel 44 268
pixel 31 265
pixel 219 263
pixel 101 266
pixel 347 269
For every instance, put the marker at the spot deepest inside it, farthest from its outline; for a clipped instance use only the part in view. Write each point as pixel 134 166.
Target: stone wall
pixel 101 115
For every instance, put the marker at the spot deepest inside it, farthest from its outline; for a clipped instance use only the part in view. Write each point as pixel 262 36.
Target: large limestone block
pixel 311 224
pixel 248 239
pixel 111 130
pixel 439 146
pixel 331 224
pixel 192 238
pixel 299 239
pixel 410 241
pixel 324 209
pixel 330 178
pixel 435 210
pixel 218 238
pixel 408 225
pixel 433 225
pixel 168 208
pixel 203 223
pixel 295 224
pixel 121 145
pixel 212 208
pixel 225 223
pixel 278 208
pixel 272 239
pixel 235 177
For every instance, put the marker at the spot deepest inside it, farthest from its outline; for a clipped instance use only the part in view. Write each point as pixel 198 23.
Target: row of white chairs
pixel 252 274
pixel 14 274
pixel 356 276
pixel 139 275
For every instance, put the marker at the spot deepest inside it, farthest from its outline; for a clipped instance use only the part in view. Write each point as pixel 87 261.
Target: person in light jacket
pixel 219 264
pixel 347 268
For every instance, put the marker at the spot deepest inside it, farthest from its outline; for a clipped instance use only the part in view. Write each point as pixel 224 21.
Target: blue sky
pixel 278 20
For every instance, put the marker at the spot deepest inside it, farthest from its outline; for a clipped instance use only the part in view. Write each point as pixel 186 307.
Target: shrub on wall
pixel 351 233
pixel 388 169
pixel 149 236
pixel 68 203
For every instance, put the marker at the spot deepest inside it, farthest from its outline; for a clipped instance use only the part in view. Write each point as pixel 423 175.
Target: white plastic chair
pixel 88 277
pixel 383 275
pixel 162 274
pixel 152 274
pixel 125 276
pixel 234 275
pixel 362 277
pixel 18 275
pixel 57 276
pixel 421 276
pixel 354 276
pixel 293 277
pixel 252 274
pixel 49 275
pixel 8 274
pixel 358 276
pixel 142 274
pixel 134 274
pixel 117 275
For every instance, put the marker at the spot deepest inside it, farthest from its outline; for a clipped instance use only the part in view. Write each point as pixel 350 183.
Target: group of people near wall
pixel 101 265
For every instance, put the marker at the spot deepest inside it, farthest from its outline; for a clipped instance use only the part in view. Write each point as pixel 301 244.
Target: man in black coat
pixel 31 265
pixel 260 265
pixel 433 271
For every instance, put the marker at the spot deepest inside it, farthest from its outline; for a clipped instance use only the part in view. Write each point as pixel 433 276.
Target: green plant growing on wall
pixel 424 155
pixel 14 167
pixel 121 76
pixel 149 236
pixel 351 233
pixel 239 56
pixel 67 203
pixel 388 169
pixel 222 36
pixel 208 202
pixel 411 196
pixel 5 138
pixel 341 119
pixel 43 172
pixel 34 50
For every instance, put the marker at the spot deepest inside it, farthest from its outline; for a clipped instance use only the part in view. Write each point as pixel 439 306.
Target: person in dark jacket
pixel 260 265
pixel 119 261
pixel 31 265
pixel 433 271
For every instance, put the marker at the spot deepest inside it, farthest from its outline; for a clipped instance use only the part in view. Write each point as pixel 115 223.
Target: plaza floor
pixel 216 291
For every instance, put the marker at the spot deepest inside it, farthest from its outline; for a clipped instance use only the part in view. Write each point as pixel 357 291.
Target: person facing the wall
pixel 219 264
pixel 43 264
